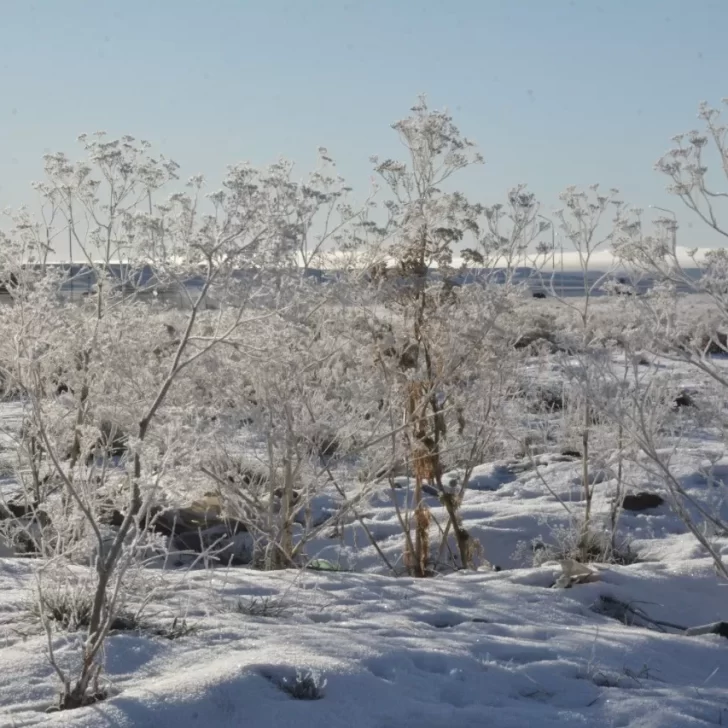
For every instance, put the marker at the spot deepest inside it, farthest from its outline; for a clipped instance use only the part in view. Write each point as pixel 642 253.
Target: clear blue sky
pixel 554 91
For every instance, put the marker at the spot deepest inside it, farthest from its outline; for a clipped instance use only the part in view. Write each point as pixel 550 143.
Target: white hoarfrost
pixel 466 649
pixel 213 514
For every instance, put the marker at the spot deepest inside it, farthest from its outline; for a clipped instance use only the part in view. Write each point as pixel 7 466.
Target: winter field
pixel 505 648
pixel 235 491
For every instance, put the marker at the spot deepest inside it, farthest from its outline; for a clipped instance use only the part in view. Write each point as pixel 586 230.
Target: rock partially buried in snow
pixel 491 476
pixel 642 501
pixel 223 543
pixel 685 398
pixel 203 527
pixel 574 573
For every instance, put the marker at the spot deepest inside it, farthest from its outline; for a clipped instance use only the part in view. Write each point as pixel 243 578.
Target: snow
pixel 466 650
pixel 460 650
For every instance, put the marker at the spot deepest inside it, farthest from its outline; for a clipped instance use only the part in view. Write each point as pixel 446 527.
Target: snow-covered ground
pixel 502 649
pixel 483 649
pixel 474 649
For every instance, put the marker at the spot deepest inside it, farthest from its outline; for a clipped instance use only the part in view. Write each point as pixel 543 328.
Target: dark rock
pixel 202 515
pixel 8 283
pixel 16 510
pixel 409 356
pixel 684 399
pixel 295 495
pixel 115 519
pixel 571 454
pixel 539 294
pixel 24 532
pixel 33 511
pixel 228 542
pixel 642 501
pixel 327 445
pixel 533 339
pixel 242 473
pixel 322 443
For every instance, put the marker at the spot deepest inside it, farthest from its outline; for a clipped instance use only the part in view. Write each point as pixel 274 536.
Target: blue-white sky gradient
pixel 555 92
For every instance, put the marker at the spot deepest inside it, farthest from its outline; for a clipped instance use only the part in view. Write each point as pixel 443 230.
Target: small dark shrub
pixel 306 685
pixel 323 443
pixel 178 628
pixel 567 542
pixel 70 701
pixel 240 472
pixel 548 400
pixel 709 345
pixel 69 607
pixel 258 607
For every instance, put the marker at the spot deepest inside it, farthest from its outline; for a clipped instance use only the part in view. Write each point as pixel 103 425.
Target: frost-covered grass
pixel 356 646
pixel 361 648
pixel 348 437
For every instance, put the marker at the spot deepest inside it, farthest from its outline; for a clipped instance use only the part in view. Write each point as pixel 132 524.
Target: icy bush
pixel 307 685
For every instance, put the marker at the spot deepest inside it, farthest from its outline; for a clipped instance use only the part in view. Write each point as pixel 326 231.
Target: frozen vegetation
pixel 239 493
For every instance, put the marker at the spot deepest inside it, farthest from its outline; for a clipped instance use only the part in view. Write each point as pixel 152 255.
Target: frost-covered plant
pixel 432 335
pixel 585 222
pixel 272 607
pixel 663 323
pixel 567 541
pixel 108 382
pixel 654 421
pixel 67 604
pixel 306 685
pixel 304 402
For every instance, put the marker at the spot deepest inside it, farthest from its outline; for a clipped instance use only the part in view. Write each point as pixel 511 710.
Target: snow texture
pixel 461 650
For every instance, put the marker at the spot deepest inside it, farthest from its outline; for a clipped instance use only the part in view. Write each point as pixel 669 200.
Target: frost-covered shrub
pixel 258 606
pixel 570 541
pixel 177 628
pixel 67 605
pixel 307 684
pixel 121 385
